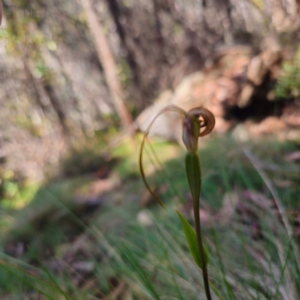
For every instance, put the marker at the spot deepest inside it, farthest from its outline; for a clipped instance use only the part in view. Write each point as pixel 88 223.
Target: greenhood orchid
pixel 197 122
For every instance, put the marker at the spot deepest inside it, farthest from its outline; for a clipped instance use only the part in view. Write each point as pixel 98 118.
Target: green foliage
pixel 153 257
pixel 48 287
pixel 15 193
pixel 288 85
pixel 191 238
pixel 136 268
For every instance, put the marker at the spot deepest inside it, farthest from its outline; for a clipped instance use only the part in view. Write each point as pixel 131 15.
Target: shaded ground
pixel 101 236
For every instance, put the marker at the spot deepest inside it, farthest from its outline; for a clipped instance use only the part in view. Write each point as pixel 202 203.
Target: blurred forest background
pixel 70 69
pixel 80 78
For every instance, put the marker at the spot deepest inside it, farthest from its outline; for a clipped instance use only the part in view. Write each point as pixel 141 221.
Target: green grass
pixel 251 254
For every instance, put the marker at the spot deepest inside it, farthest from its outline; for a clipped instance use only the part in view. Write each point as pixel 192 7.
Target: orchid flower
pixel 197 122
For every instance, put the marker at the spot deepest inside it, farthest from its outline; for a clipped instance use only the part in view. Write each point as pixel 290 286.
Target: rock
pixel 231 81
pixel 227 90
pixel 241 133
pixel 222 125
pixel 245 95
pixel 144 218
pixel 256 70
pixel 166 125
pixel 267 126
pixel 291 116
pixel 186 91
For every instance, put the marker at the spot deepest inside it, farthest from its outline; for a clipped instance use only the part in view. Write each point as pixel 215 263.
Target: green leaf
pixel 191 238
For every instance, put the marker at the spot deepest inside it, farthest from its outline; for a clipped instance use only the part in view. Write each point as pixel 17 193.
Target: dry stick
pixel 276 198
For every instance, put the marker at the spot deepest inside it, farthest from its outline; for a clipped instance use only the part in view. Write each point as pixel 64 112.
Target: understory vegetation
pixel 101 236
pixel 80 81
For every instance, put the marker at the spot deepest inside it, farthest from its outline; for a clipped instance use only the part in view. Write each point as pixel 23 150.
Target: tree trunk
pixel 51 94
pixel 115 12
pixel 32 82
pixel 107 60
pixel 46 86
pixel 158 26
pixel 76 102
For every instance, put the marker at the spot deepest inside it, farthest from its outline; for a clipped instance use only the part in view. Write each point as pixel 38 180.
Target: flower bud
pixel 194 120
pixel 190 134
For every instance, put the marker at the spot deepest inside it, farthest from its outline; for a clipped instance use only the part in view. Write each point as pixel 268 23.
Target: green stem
pixel 193 170
pixel 201 250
